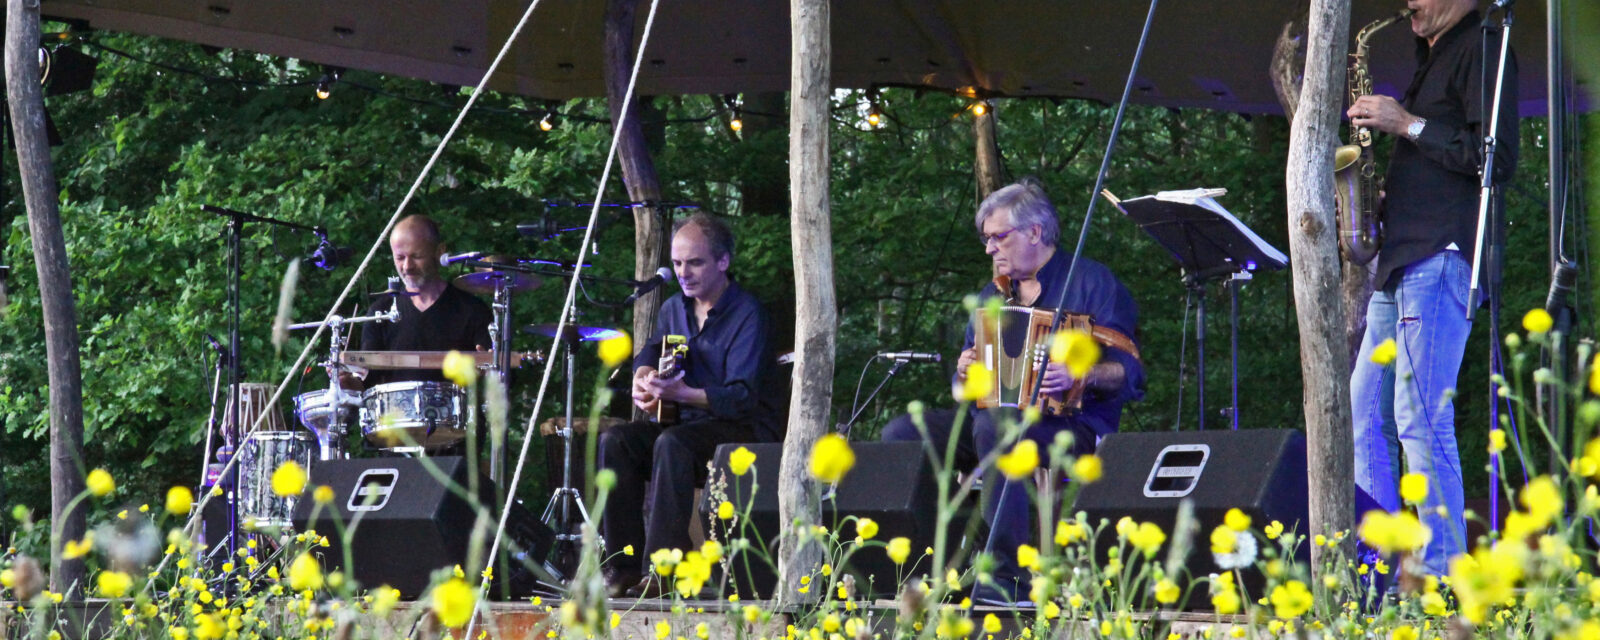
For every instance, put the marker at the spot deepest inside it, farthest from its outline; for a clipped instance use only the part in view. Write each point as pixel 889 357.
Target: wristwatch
pixel 1414 130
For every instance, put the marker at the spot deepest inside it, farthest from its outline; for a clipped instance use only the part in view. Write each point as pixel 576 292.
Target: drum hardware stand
pixel 567 495
pixel 331 440
pixel 500 343
pixel 235 232
pixel 211 415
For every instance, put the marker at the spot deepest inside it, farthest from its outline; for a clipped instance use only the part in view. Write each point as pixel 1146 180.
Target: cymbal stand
pixel 331 440
pixel 500 344
pixel 566 495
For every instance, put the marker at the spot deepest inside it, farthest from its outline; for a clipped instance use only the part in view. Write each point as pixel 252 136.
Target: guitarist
pixel 715 390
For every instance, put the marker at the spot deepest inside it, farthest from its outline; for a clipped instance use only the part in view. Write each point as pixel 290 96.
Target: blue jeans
pixel 1407 407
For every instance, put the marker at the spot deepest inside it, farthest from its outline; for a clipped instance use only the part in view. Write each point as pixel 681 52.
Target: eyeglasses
pixel 997 238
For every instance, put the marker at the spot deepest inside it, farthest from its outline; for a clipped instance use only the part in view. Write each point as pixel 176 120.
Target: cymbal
pixel 583 334
pixel 483 282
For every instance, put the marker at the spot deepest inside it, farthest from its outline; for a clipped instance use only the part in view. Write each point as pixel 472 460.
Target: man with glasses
pixel 1018 228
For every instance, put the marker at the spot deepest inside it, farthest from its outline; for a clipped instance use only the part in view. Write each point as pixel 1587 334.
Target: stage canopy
pixel 1211 54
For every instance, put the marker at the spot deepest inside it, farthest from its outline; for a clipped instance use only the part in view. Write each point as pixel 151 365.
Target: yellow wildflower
pixel 1223 540
pixel 323 494
pixel 866 528
pixel 453 602
pixel 179 501
pixel 114 584
pixel 75 549
pixel 100 483
pixel 1384 353
pixel 1075 349
pixel 740 460
pixel 831 458
pixel 1393 533
pixel 1069 532
pixel 1537 320
pixel 979 382
pixel 1027 557
pixel 1020 462
pixel 725 510
pixel 1147 538
pixel 1497 440
pixel 289 479
pixel 616 350
pixel 305 573
pixel 1291 599
pixel 991 623
pixel 1166 591
pixel 1087 468
pixel 899 549
pixel 1237 520
pixel 460 368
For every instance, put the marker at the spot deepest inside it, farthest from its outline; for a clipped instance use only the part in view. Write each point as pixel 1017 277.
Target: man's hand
pixel 672 389
pixel 1382 113
pixel 644 397
pixel 1057 381
pixel 967 358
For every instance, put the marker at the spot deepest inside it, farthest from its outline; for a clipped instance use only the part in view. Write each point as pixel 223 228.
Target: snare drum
pixel 414 416
pixel 261 455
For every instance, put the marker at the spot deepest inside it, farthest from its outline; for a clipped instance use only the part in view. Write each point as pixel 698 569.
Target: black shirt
pixel 1432 187
pixel 728 355
pixel 457 320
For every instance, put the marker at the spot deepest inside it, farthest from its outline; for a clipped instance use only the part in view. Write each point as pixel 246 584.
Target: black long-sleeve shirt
pixel 1431 198
pixel 728 355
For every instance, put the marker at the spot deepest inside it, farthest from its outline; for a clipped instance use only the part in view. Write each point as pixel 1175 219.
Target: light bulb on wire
pixel 978 109
pixel 545 124
pixel 874 118
pixel 737 123
pixel 323 87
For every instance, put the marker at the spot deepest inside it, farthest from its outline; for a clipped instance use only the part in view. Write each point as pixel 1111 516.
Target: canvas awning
pixel 1211 54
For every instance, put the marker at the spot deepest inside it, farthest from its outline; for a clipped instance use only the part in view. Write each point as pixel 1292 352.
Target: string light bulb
pixel 874 118
pixel 323 87
pixel 737 123
pixel 979 108
pixel 545 124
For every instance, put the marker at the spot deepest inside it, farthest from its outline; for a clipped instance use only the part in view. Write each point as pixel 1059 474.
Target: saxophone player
pixel 1430 209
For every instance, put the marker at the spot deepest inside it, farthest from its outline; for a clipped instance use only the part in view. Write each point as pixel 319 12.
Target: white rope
pixel 194 516
pixel 566 308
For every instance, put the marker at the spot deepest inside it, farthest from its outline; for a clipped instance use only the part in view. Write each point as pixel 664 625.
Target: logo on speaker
pixel 372 489
pixel 1176 471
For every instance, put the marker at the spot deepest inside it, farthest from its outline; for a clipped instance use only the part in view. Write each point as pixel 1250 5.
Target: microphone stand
pixel 894 369
pixel 232 429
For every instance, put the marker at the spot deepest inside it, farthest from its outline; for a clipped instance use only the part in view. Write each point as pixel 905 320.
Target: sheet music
pixel 1205 199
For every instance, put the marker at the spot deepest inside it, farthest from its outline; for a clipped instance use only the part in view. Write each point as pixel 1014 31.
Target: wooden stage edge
pixel 523 620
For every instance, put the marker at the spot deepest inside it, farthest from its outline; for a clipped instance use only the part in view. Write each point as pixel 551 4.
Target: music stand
pixel 1209 244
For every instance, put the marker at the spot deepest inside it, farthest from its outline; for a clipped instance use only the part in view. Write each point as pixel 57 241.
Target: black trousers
pixel 673 460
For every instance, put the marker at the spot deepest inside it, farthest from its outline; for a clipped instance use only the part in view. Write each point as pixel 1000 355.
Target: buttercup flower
pixel 1166 591
pixel 1147 538
pixel 1236 520
pixel 899 549
pixel 460 368
pixel 289 479
pixel 453 602
pixel 1384 353
pixel 740 460
pixel 305 573
pixel 1497 440
pixel 1414 488
pixel 1069 532
pixel 979 382
pixel 1087 468
pixel 179 501
pixel 866 528
pixel 1027 557
pixel 100 483
pixel 831 458
pixel 616 350
pixel 1076 350
pixel 114 584
pixel 1537 320
pixel 1393 532
pixel 1290 600
pixel 725 510
pixel 323 494
pixel 1020 462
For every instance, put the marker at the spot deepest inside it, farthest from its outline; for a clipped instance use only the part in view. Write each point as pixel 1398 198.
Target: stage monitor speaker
pixel 1260 472
pixel 411 524
pixel 892 483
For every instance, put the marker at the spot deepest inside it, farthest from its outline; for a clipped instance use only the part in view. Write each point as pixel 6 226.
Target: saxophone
pixel 1355 179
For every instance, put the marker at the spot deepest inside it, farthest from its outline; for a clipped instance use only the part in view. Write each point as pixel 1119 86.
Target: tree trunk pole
pixel 987 166
pixel 650 235
pixel 1314 251
pixel 816 317
pixel 55 289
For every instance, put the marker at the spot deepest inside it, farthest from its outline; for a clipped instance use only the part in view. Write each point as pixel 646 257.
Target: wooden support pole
pixel 816 315
pixel 987 165
pixel 26 99
pixel 1314 252
pixel 651 234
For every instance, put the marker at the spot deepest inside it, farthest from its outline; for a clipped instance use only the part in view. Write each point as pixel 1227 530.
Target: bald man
pixel 439 317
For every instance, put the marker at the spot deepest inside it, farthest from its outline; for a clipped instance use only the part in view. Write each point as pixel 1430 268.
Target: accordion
pixel 1013 341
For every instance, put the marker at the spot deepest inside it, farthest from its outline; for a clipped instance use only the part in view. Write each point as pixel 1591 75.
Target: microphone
pixel 328 257
pixel 222 352
pixel 1501 4
pixel 662 275
pixel 447 259
pixel 910 356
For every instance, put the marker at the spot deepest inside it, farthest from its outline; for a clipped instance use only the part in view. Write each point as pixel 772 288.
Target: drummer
pixel 434 316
